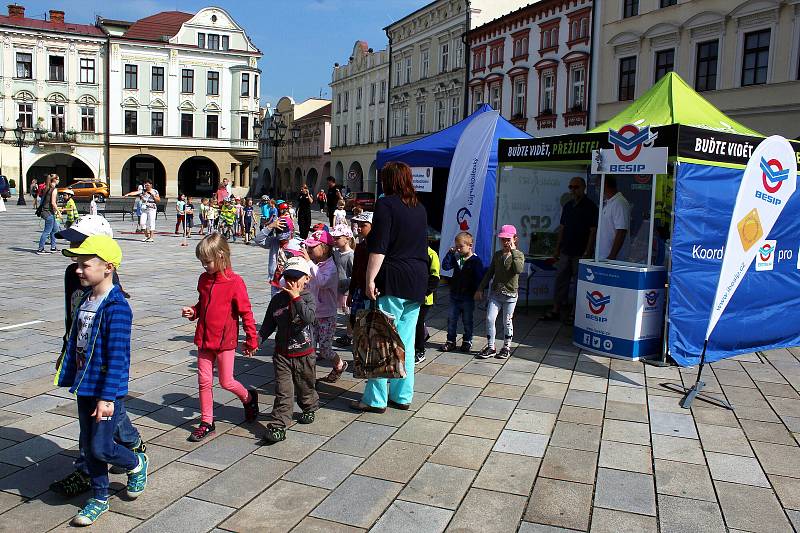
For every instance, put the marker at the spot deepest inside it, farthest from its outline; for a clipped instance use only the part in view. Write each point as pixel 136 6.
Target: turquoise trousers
pixel 399 390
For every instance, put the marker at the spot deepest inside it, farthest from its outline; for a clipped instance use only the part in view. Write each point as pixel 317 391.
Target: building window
pixel 372 91
pixel 225 42
pixel 344 135
pixel 421 118
pixel 398 71
pixel 455 111
pixel 157 80
pixel 346 100
pixel 496 56
pixel 87 70
pixel 358 133
pixel 212 86
pixel 201 40
pixel 57 118
pixel 130 123
pixel 157 123
pixel 667 3
pixel 131 77
pixel 213 41
pixel 441 115
pixel 520 97
pixel 408 69
pixel 187 125
pixel 24 65
pixel 577 88
pixel 187 80
pixel 371 131
pixel 477 97
pixel 627 78
pixel 359 93
pixel 382 96
pixel 26 114
pixel 245 88
pixel 244 128
pixel 338 135
pixel 496 95
pixel 255 86
pixel 380 129
pixel 705 76
pixel 396 122
pixel 459 56
pixel 424 63
pixel 665 62
pixel 405 121
pixel 479 59
pixel 547 105
pixel 549 38
pixel 444 57
pixel 56 64
pixel 755 60
pixel 630 8
pixel 87 119
pixel 520 47
pixel 339 103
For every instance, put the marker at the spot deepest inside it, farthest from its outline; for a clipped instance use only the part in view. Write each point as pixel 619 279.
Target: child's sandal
pixel 335 374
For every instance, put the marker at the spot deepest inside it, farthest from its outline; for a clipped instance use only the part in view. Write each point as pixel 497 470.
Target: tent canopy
pixel 436 149
pixel 672 101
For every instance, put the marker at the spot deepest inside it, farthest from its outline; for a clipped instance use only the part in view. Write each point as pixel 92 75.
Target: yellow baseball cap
pixel 102 246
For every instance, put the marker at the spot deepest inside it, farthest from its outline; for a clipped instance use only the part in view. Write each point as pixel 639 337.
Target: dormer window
pixel 201 40
pixel 213 41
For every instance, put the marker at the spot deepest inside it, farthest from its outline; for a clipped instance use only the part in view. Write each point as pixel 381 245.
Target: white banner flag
pixel 462 206
pixel 768 182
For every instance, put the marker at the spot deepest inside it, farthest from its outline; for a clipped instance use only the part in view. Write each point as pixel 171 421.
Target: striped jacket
pixel 108 352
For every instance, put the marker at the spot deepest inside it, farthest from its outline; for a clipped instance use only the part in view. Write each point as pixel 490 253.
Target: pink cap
pixel 319 237
pixel 507 231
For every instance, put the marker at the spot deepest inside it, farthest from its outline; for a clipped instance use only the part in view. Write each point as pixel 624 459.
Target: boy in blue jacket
pixel 467 274
pixel 95 366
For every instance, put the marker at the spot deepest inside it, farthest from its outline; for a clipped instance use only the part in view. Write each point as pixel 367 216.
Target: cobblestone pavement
pixel 550 440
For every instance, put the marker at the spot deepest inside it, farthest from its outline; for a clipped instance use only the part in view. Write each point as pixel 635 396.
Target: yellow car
pixel 96 189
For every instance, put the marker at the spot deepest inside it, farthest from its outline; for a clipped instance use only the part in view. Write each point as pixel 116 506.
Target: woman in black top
pixel 397 276
pixel 48 211
pixel 304 211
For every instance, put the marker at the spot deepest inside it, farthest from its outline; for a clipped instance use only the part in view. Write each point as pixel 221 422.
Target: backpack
pixel 378 350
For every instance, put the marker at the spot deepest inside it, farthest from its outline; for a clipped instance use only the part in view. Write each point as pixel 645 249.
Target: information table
pixel 619 309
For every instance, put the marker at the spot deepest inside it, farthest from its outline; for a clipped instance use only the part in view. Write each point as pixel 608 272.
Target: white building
pixel 183 99
pixel 428 58
pixel 359 91
pixel 533 66
pixel 53 81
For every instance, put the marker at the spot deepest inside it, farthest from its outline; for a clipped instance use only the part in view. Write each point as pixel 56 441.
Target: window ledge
pixel 517 59
pixel 549 49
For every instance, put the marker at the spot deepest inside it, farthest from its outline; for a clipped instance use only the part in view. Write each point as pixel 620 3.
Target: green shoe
pixel 137 478
pixel 306 417
pixel 90 512
pixel 72 485
pixel 140 447
pixel 273 434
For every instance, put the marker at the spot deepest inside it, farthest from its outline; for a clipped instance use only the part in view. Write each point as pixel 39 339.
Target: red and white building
pixel 533 66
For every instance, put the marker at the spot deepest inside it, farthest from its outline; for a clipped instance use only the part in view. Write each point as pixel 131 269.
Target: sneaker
pixel 90 512
pixel 504 353
pixel 42 252
pixel 72 485
pixel 273 434
pixel 53 250
pixel 137 479
pixel 343 341
pixel 466 347
pixel 306 417
pixel 487 352
pixel 146 239
pixel 448 346
pixel 140 447
pixel 202 431
pixel 419 357
pixel 251 407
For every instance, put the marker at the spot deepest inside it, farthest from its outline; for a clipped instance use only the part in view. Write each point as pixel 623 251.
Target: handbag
pixel 378 350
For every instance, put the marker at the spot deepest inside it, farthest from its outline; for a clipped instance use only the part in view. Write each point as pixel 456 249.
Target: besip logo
pixel 628 141
pixel 765 252
pixel 651 297
pixel 463 217
pixel 597 301
pixel 773 175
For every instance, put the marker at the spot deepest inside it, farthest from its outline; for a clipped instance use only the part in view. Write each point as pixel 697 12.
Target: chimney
pixel 16 11
pixel 56 17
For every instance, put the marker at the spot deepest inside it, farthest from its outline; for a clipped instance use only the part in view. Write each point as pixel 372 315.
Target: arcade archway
pixel 355 177
pixel 139 168
pixel 198 176
pixel 68 167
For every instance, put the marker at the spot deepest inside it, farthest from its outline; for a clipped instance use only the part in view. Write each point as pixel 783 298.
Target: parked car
pixel 5 188
pixel 365 200
pixel 96 189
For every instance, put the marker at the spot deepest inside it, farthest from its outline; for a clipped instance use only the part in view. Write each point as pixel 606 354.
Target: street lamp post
pixel 19 136
pixel 276 133
pixel 257 133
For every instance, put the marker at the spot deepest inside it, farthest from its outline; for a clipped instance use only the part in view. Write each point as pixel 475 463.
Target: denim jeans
pixel 497 303
pixel 272 261
pixel 97 441
pixel 124 434
pixel 464 308
pixel 50 229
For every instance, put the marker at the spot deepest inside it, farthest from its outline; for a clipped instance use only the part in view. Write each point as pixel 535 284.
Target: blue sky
pixel 300 39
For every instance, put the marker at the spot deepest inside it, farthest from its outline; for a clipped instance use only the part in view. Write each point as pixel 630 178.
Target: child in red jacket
pixel 223 299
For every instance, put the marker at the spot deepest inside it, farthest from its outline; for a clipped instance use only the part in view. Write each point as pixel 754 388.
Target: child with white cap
pixel 343 257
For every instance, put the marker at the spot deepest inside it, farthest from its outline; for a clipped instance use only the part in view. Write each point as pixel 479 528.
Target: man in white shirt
pixel 615 224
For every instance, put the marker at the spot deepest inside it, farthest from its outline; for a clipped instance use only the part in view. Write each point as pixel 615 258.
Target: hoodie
pixel 223 300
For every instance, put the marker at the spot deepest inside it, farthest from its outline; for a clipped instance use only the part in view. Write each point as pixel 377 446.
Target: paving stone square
pixel 551 440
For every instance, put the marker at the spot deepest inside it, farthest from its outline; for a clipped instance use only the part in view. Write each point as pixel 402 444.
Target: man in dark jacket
pixel 290 315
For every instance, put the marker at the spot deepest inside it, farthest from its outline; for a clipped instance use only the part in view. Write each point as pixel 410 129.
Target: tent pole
pixel 652 221
pixel 696 389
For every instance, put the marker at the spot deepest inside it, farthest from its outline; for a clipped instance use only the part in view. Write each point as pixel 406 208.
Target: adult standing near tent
pixel 614 241
pixel 149 198
pixel 304 202
pixel 576 236
pixel 397 277
pixel 333 196
pixel 48 210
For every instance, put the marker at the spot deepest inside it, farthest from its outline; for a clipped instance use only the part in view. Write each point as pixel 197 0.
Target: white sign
pixel 462 205
pixel 765 258
pixel 769 180
pixel 648 161
pixel 422 178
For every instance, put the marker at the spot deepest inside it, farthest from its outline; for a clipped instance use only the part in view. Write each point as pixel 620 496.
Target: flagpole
pixel 697 388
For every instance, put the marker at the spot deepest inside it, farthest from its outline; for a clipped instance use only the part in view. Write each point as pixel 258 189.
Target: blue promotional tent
pixel 437 149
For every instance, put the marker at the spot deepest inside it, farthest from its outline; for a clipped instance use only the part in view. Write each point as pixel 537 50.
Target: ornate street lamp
pixel 276 133
pixel 19 134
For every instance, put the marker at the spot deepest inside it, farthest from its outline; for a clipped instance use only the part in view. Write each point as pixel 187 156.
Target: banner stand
pixel 696 389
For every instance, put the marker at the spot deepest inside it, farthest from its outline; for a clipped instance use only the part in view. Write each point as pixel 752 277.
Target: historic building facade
pixel 428 59
pixel 532 65
pixel 359 91
pixel 53 76
pixel 183 100
pixel 742 55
